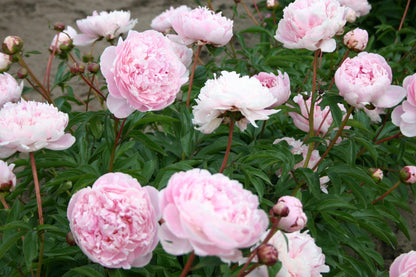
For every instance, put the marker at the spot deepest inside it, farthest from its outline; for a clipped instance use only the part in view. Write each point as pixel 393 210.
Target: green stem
pixel 191 78
pixel 113 153
pixel 227 151
pixel 387 192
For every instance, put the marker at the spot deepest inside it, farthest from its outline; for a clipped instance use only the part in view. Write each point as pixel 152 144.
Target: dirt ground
pixel 30 19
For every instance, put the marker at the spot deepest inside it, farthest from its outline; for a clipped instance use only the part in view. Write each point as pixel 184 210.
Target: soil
pixel 33 21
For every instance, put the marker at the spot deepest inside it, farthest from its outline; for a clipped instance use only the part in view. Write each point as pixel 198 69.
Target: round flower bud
pixel 70 239
pixel 12 44
pixel 93 67
pixel 376 174
pixel 272 4
pixel 296 219
pixel 267 254
pixel 59 26
pixel 408 174
pixel 351 16
pixel 281 209
pixel 356 39
pixel 77 68
pixel 22 73
pixel 5 62
pixel 86 58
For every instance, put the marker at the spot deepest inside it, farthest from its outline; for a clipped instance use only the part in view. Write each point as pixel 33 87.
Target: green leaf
pixel 30 247
pixel 9 242
pixel 87 270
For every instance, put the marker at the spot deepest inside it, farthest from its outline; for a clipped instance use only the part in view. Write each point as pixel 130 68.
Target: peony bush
pixel 127 161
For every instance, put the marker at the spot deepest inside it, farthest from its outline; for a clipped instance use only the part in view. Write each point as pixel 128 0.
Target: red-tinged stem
pixel 91 85
pixel 387 192
pixel 227 151
pixel 40 213
pixel 49 66
pixel 191 79
pixel 337 135
pixel 322 123
pixel 258 12
pixel 403 17
pixel 382 127
pixel 343 59
pixel 188 264
pixel 3 201
pixel 389 138
pixel 253 254
pixel 113 153
pixel 249 13
pixel 210 5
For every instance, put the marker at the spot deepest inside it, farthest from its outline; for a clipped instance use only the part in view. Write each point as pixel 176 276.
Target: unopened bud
pixel 77 68
pixel 351 16
pixel 22 73
pixel 356 39
pixel 408 174
pixel 66 46
pixel 86 58
pixel 376 174
pixel 93 67
pixel 272 4
pixel 267 254
pixel 281 209
pixel 12 44
pixel 5 62
pixel 59 26
pixel 6 187
pixel 110 37
pixel 70 239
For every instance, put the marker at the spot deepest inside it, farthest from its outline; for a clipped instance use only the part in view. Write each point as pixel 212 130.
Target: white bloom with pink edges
pixel 209 214
pixel 311 24
pixel 10 90
pixel 162 22
pixel 5 62
pixel 28 126
pixel 360 7
pixel 279 86
pixel 65 38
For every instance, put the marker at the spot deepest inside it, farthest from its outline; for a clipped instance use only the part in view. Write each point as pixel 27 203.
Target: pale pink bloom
pixel 115 222
pixel 203 26
pixel 311 24
pixel 366 79
pixel 10 90
pixel 298 148
pixel 232 93
pixel 351 16
pixel 183 52
pixel 404 265
pixel 278 85
pixel 5 62
pixel 408 174
pixel 209 214
pixel 7 177
pixel 142 72
pixel 65 38
pixel 30 126
pixel 104 24
pixel 360 7
pixel 299 254
pixel 162 22
pixel 296 219
pixel 404 115
pixel 356 39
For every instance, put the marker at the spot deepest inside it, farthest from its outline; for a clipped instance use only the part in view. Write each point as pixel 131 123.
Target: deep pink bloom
pixel 278 85
pixel 10 90
pixel 356 39
pixel 104 24
pixel 162 22
pixel 360 7
pixel 311 24
pixel 404 115
pixel 230 92
pixel 114 222
pixel 366 79
pixel 7 177
pixel 203 26
pixel 296 219
pixel 404 265
pixel 65 38
pixel 5 62
pixel 299 254
pixel 30 126
pixel 142 72
pixel 210 214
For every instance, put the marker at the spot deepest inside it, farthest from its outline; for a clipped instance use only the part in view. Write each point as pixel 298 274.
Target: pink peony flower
pixel 278 85
pixel 366 79
pixel 209 214
pixel 183 52
pixel 30 126
pixel 232 93
pixel 360 7
pixel 404 265
pixel 404 115
pixel 356 39
pixel 114 222
pixel 104 24
pixel 299 254
pixel 311 24
pixel 7 177
pixel 203 26
pixel 5 62
pixel 142 72
pixel 65 38
pixel 296 219
pixel 408 174
pixel 162 22
pixel 10 90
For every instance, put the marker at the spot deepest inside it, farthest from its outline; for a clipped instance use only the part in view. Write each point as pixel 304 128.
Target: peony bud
pixel 93 67
pixel 12 45
pixel 5 62
pixel 281 209
pixel 356 39
pixel 110 37
pixel 59 26
pixel 7 177
pixel 70 239
pixel 77 68
pixel 86 58
pixel 408 174
pixel 351 16
pixel 376 174
pixel 22 73
pixel 267 254
pixel 296 218
pixel 272 4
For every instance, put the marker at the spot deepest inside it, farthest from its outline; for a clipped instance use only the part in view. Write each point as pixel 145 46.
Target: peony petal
pixel 66 141
pixel 119 107
pixel 391 97
pixel 84 39
pixel 172 244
